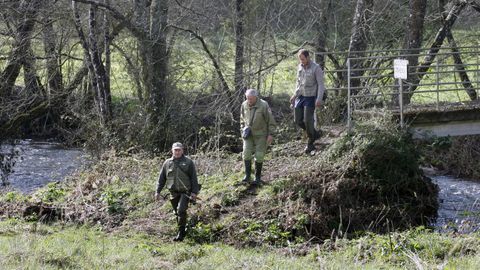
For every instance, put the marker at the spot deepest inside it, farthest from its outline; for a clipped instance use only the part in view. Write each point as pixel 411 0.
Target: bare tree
pixel 21 55
pixel 454 12
pixel 359 40
pixel 459 66
pixel 94 62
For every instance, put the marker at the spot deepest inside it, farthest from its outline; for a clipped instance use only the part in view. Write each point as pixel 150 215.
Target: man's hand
pixel 318 103
pixel 292 99
pixel 269 139
pixel 157 196
pixel 193 196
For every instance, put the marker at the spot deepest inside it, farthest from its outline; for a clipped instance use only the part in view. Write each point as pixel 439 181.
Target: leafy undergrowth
pixel 366 181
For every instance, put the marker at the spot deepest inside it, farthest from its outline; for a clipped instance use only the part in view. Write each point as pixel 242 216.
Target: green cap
pixel 177 145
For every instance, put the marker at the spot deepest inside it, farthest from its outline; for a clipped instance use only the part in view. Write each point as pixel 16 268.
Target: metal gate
pixel 444 75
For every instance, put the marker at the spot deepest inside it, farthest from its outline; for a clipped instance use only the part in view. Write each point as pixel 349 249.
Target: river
pixel 38 162
pixel 459 200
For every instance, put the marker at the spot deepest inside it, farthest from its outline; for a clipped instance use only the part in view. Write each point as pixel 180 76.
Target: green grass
pixel 36 246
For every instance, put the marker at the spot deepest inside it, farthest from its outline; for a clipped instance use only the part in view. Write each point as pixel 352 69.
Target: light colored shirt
pixel 310 81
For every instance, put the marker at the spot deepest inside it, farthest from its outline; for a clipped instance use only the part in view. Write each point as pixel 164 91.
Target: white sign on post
pixel 400 69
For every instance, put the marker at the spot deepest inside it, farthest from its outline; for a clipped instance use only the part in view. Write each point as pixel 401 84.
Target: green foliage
pixel 441 143
pixel 13 196
pixel 268 231
pixel 280 185
pixel 205 233
pixel 276 235
pixel 53 192
pixel 229 199
pixel 114 200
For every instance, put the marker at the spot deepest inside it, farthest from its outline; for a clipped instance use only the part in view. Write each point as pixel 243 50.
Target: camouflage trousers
pixel 255 146
pixel 179 203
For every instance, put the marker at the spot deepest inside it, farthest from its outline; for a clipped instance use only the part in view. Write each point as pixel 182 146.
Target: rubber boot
pixel 258 173
pixel 309 148
pixel 181 234
pixel 318 134
pixel 248 171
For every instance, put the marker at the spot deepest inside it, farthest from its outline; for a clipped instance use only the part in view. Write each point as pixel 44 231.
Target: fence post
pixel 478 69
pixel 401 101
pixel 349 108
pixel 437 81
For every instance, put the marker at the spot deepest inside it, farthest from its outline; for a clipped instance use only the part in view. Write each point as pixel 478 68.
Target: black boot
pixel 258 173
pixel 318 134
pixel 248 171
pixel 181 234
pixel 309 148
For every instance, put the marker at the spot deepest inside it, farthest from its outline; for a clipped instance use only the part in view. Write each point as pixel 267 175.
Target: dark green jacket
pixel 179 175
pixel 263 122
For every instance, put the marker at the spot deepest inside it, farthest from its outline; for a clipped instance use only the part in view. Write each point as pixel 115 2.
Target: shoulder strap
pixel 253 116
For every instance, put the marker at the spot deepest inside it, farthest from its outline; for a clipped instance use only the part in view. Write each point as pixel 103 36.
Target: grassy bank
pixel 31 245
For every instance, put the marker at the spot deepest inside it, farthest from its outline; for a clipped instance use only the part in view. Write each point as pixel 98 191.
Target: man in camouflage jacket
pixel 178 173
pixel 256 114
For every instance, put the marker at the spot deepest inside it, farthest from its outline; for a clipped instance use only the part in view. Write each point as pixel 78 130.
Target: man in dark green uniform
pixel 180 176
pixel 255 115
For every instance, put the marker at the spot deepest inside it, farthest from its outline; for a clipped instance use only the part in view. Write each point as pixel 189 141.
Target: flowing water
pixel 38 163
pixel 459 209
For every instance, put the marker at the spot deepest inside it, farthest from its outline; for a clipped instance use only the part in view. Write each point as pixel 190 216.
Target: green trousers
pixel 180 205
pixel 255 146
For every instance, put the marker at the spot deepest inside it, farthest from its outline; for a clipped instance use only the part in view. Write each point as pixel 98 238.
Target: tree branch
pixel 283 57
pixel 475 5
pixel 210 55
pixel 136 31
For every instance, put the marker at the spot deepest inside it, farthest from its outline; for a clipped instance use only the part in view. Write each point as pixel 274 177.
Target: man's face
pixel 251 100
pixel 177 152
pixel 303 59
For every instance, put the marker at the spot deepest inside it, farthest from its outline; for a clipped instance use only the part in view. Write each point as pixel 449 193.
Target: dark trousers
pixel 304 118
pixel 180 205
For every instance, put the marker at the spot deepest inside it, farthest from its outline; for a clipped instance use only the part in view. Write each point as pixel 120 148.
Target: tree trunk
pixel 108 60
pixel 54 75
pixel 99 74
pixel 21 47
pixel 140 17
pixel 93 62
pixel 158 62
pixel 459 66
pixel 30 78
pixel 325 7
pixel 359 40
pixel 239 48
pixel 413 41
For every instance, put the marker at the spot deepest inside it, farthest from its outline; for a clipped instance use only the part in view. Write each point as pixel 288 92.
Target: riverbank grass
pixel 29 245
